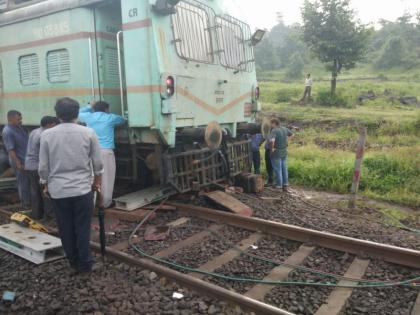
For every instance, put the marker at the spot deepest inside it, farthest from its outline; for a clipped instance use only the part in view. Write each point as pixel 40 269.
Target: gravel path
pixel 303 299
pixel 211 247
pixel 176 234
pixel 390 301
pixel 119 289
pixel 274 248
pixel 294 209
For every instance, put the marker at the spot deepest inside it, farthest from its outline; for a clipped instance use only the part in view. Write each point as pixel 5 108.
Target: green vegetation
pixel 381 92
pixel 332 32
pixel 322 153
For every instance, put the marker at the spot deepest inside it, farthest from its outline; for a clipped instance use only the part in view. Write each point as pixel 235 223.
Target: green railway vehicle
pixel 182 72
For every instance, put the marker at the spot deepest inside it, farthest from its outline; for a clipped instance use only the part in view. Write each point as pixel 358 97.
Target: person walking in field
pixel 69 155
pixel 103 123
pixel 15 139
pixel 41 206
pixel 308 88
pixel 279 142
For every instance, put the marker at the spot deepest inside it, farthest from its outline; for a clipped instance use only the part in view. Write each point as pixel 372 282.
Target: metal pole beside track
pixel 360 152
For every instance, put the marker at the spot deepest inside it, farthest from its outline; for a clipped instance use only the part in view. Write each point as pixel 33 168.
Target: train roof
pixel 13 11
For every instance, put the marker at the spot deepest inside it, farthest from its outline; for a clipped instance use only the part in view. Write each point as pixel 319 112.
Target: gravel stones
pixel 307 299
pixel 118 289
pixel 380 301
pixel 273 248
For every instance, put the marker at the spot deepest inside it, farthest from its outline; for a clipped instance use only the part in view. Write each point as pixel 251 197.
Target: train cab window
pixel 29 69
pixel 191 28
pixel 231 42
pixel 58 66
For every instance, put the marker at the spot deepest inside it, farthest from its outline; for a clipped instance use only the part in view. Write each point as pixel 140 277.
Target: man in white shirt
pixel 308 88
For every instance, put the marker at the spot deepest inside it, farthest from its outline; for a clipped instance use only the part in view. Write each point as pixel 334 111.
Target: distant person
pixel 15 140
pixel 279 143
pixel 308 88
pixel 68 157
pixel 268 166
pixel 41 206
pixel 103 123
pixel 256 141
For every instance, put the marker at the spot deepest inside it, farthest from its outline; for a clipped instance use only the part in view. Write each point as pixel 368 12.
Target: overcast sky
pixel 262 13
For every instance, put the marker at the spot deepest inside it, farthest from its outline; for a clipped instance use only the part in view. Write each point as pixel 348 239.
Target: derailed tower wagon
pixel 182 72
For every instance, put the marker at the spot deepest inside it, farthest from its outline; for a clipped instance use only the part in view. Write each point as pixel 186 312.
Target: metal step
pixel 7 183
pixel 37 247
pixel 143 197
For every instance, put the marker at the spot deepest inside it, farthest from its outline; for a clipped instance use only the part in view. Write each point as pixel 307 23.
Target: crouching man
pixel 69 154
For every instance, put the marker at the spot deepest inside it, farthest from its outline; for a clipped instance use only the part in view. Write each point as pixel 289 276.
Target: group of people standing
pixel 60 164
pixel 275 155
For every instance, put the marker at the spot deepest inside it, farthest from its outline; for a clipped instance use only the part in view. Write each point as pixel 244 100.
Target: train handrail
pixel 120 73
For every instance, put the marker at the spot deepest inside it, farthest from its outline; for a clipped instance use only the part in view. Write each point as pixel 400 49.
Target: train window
pixel 58 66
pixel 191 30
pixel 233 39
pixel 29 69
pixel 111 65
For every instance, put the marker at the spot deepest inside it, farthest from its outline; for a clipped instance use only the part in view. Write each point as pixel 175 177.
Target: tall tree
pixel 334 35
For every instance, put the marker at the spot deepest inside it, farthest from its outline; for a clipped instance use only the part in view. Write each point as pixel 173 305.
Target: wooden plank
pixel 229 255
pixel 187 242
pixel 133 216
pixel 416 308
pixel 279 273
pixel 338 298
pixel 230 203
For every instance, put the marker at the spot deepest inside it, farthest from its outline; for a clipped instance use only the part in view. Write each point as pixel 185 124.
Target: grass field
pixel 322 154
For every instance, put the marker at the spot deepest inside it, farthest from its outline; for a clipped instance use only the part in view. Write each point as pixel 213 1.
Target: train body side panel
pixel 68 31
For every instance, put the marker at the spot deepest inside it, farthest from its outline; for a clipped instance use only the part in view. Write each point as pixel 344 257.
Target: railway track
pixel 214 242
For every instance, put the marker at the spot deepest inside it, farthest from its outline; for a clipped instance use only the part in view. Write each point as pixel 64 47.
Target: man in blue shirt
pixel 103 123
pixel 15 140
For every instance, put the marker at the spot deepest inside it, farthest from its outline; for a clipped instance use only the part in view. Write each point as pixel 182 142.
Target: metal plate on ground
pixel 143 197
pixel 31 245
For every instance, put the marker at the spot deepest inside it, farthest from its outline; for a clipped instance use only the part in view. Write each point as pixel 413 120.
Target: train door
pixel 107 24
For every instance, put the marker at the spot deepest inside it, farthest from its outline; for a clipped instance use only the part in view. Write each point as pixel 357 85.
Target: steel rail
pixel 193 283
pixel 389 253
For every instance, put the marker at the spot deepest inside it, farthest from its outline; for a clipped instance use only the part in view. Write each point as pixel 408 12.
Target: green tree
pixel 296 66
pixel 333 34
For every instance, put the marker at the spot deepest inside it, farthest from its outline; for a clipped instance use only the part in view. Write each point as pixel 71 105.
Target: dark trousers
pixel 269 166
pixel 22 179
pixel 256 161
pixel 41 206
pixel 74 217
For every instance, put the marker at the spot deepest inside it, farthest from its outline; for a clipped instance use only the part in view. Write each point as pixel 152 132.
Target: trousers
pixel 281 174
pixel 22 179
pixel 268 166
pixel 108 176
pixel 74 216
pixel 41 206
pixel 256 161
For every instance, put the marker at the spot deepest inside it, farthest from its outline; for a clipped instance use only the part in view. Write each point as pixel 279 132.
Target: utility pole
pixel 360 152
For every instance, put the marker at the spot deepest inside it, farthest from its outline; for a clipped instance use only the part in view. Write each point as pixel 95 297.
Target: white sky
pixel 262 13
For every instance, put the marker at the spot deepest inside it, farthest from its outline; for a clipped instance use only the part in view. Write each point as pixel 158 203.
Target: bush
pixel 325 98
pixel 287 94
